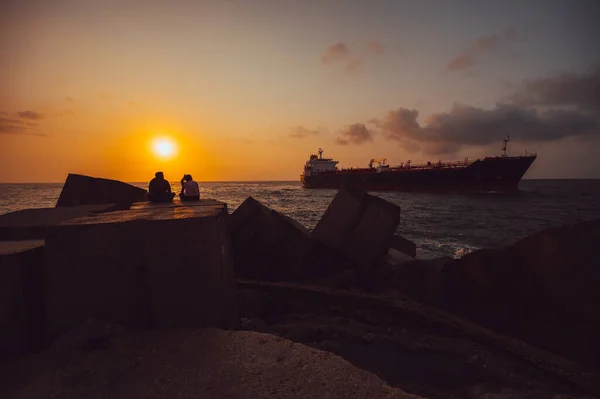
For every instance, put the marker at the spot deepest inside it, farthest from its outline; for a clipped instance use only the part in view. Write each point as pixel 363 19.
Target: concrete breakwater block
pixel 31 224
pixel 21 296
pixel 267 244
pixel 359 226
pixel 158 266
pixel 543 289
pixel 87 190
pixel 404 245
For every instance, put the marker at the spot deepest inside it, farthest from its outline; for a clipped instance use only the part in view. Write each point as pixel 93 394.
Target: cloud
pixel 30 115
pixel 69 99
pixel 447 132
pixel 375 47
pixel 336 52
pixel 541 110
pixel 479 46
pixel 578 90
pixel 339 53
pixel 357 133
pixel 300 132
pixel 19 123
pixel 354 65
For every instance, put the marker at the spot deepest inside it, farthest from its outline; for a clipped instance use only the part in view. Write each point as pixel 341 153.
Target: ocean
pixel 440 224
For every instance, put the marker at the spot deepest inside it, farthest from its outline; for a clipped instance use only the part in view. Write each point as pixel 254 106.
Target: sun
pixel 164 147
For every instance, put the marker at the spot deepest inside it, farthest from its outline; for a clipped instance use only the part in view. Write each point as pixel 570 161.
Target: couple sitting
pixel 159 189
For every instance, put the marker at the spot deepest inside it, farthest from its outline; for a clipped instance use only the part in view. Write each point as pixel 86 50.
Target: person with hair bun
pixel 189 189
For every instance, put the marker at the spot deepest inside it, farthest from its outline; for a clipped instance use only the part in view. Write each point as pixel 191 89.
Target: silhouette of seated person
pixel 159 189
pixel 189 189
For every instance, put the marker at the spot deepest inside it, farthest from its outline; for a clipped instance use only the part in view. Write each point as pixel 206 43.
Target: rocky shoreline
pixel 81 280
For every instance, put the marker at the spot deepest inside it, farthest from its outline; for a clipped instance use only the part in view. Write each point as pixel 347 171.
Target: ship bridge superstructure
pixel 317 164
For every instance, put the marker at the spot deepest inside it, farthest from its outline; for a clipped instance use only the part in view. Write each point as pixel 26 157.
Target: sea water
pixel 440 224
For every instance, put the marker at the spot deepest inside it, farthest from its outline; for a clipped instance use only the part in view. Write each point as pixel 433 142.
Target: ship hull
pixel 489 175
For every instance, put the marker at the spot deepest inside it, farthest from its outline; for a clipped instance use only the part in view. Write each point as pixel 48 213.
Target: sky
pixel 248 90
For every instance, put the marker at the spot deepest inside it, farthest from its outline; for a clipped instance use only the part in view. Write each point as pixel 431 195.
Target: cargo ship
pixel 500 173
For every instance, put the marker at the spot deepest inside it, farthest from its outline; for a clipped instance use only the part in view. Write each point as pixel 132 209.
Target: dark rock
pixel 543 289
pixel 423 279
pixel 267 244
pixel 86 190
pixel 152 267
pixel 250 303
pixel 323 262
pixel 32 224
pixel 91 334
pixel 359 226
pixel 418 278
pixel 396 257
pixel 403 245
pixel 21 296
pixel 342 280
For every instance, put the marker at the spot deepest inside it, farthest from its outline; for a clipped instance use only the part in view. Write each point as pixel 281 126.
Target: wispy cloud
pixel 32 115
pixel 357 133
pixel 335 53
pixel 353 61
pixel 300 132
pixel 375 47
pixel 22 122
pixel 478 47
pixel 354 65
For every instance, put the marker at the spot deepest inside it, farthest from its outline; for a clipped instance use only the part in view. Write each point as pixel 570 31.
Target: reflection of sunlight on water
pixel 460 252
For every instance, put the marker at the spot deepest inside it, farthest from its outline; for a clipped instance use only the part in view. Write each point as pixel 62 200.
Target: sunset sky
pixel 248 89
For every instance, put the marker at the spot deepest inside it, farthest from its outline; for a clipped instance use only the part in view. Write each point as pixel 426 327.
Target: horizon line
pixel 282 181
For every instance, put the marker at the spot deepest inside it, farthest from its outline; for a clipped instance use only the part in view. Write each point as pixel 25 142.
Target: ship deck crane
pixel 380 162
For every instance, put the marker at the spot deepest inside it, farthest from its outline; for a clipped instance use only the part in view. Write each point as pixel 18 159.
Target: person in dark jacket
pixel 159 189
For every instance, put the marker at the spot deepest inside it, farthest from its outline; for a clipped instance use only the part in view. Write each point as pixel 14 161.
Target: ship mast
pixel 506 140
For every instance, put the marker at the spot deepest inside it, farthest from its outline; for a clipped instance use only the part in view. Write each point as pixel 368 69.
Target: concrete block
pixel 403 245
pixel 340 218
pixel 397 258
pixel 370 240
pixel 21 296
pixel 151 267
pixel 542 289
pixel 359 226
pixel 267 244
pixel 32 224
pixel 243 212
pixel 86 190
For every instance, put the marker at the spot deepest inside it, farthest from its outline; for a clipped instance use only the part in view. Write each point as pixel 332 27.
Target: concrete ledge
pixel 151 267
pixel 177 203
pixel 32 224
pixel 21 296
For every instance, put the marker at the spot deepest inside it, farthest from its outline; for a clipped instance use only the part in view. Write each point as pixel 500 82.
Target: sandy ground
pixel 190 364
